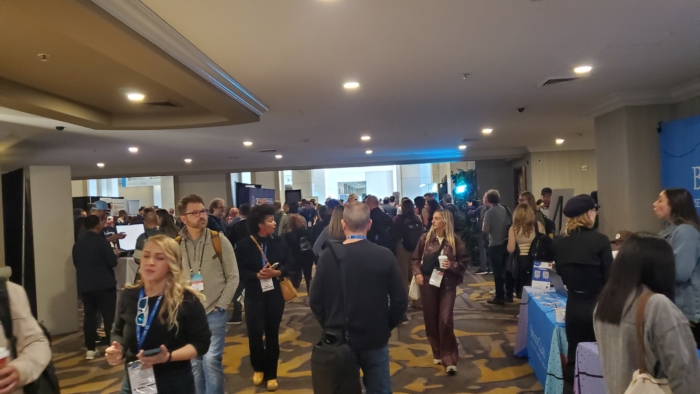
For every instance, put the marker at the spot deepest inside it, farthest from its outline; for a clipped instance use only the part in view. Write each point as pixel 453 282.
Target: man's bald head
pixel 356 217
pixel 372 202
pixel 150 220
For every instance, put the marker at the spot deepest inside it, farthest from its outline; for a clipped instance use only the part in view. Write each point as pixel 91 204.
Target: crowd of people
pixel 171 322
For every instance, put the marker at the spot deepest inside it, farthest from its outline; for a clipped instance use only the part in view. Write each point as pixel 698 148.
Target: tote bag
pixel 642 381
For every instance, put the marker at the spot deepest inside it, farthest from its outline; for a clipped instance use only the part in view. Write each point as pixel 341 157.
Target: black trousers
pixel 579 328
pixel 503 279
pixel 524 275
pixel 104 301
pixel 263 315
pixel 237 307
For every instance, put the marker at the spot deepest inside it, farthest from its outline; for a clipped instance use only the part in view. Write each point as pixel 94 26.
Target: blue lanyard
pixel 264 254
pixel 142 331
pixel 357 237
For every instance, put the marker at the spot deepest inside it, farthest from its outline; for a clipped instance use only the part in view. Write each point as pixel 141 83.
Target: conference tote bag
pixel 642 381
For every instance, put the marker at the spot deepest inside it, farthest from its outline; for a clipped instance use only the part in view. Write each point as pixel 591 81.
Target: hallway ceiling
pixel 409 57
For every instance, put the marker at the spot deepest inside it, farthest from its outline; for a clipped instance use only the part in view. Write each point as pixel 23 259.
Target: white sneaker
pixel 91 354
pixel 437 361
pixel 451 370
pixel 492 292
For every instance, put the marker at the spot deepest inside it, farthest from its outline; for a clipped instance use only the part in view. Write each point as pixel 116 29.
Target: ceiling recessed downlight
pixel 559 141
pixel 247 143
pixel 583 69
pixel 365 138
pixel 462 147
pixel 278 156
pixel 135 96
pixel 486 131
pixel 188 161
pixel 100 165
pixel 133 149
pixel 369 152
pixel 351 85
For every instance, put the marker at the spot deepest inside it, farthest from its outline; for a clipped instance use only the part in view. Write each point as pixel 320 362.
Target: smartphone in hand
pixel 151 352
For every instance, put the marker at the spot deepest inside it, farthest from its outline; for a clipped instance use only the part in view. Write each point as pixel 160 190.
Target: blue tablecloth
pixel 546 339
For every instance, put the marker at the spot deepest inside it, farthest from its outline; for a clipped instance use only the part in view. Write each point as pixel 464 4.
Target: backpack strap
pixel 639 323
pixel 6 316
pixel 178 239
pixel 216 243
pixel 339 253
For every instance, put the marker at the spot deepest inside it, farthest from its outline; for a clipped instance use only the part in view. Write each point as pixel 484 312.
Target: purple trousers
pixel 438 313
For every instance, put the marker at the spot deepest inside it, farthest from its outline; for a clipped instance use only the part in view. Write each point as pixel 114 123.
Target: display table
pixel 125 271
pixel 589 370
pixel 541 339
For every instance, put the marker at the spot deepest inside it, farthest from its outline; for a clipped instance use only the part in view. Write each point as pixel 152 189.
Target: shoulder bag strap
pixel 260 249
pixel 641 306
pixel 336 250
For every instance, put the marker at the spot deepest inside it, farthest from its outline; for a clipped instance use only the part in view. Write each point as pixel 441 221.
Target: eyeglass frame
pixel 203 212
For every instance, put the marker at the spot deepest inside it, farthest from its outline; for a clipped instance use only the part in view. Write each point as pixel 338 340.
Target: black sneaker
pixel 509 300
pixel 496 301
pixel 235 320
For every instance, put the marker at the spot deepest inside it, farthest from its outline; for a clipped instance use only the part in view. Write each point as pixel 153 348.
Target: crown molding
pixel 669 96
pixel 142 20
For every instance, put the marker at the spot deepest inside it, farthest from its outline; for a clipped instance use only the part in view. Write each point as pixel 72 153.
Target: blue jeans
pixel 209 370
pixel 375 367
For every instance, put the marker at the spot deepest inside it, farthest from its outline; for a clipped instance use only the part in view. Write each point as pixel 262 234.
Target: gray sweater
pixel 670 349
pixel 220 277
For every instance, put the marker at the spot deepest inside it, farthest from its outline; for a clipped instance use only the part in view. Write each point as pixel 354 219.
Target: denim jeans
pixel 208 370
pixel 375 367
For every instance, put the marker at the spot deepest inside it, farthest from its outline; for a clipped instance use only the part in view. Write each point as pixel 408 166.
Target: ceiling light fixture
pixel 188 161
pixel 369 152
pixel 100 165
pixel 351 85
pixel 135 96
pixel 559 141
pixel 583 69
pixel 462 147
pixel 278 156
pixel 43 57
pixel 366 138
pixel 133 149
pixel 486 131
pixel 247 143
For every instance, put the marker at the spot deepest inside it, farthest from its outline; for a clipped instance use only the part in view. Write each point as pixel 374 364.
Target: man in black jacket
pixel 367 275
pixel 94 262
pixel 382 231
pixel 235 233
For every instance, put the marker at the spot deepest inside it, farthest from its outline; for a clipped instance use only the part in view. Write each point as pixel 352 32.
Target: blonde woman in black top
pixel 162 312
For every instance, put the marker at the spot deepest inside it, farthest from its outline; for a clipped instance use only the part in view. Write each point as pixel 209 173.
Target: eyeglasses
pixel 203 212
pixel 142 312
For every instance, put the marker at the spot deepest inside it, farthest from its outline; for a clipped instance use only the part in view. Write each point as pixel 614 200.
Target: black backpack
pixel 411 231
pixel 47 383
pixel 549 226
pixel 542 247
pixel 458 217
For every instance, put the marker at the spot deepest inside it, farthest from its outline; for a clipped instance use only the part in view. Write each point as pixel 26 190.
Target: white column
pixel 301 180
pixel 167 192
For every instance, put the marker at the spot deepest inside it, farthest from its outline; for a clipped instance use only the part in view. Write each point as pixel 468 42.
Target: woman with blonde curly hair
pixel 163 316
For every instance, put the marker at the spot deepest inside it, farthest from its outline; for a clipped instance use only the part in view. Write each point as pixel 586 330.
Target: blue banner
pixel 680 156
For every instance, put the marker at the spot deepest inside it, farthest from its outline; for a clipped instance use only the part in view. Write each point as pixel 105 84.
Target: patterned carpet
pixel 486 335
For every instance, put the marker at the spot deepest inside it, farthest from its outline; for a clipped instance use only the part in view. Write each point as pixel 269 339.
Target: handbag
pixel 288 291
pixel 333 362
pixel 642 382
pixel 431 261
pixel 413 290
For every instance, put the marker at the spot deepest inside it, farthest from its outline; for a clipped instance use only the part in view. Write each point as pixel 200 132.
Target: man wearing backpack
pixel 497 222
pixel 382 230
pixel 208 258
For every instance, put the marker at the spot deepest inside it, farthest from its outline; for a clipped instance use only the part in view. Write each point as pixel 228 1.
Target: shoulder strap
pixel 260 249
pixel 641 306
pixel 339 254
pixel 178 239
pixel 6 316
pixel 216 243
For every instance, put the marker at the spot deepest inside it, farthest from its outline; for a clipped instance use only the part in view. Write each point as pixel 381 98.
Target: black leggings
pixel 579 328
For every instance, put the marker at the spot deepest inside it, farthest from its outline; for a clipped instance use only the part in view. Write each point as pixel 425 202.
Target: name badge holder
pixel 142 381
pixel 436 278
pixel 265 284
pixel 197 281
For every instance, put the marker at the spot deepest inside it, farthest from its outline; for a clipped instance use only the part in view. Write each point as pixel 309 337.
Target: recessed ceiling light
pixel 100 165
pixel 247 143
pixel 135 96
pixel 486 131
pixel 188 161
pixel 583 69
pixel 462 147
pixel 351 85
pixel 559 141
pixel 365 138
pixel 369 152
pixel 278 156
pixel 133 149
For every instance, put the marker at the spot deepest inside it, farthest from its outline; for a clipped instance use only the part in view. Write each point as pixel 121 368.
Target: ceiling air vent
pixel 268 151
pixel 163 104
pixel 554 81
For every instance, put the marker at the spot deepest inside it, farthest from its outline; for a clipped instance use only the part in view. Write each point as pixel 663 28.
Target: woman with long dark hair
pixel 432 206
pixel 529 199
pixel 676 207
pixel 263 260
pixel 583 260
pixel 166 224
pixel 408 227
pixel 295 235
pixel 644 271
pixel 439 298
pixel 419 202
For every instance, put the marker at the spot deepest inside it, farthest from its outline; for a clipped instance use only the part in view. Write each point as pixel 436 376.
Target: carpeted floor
pixel 485 333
